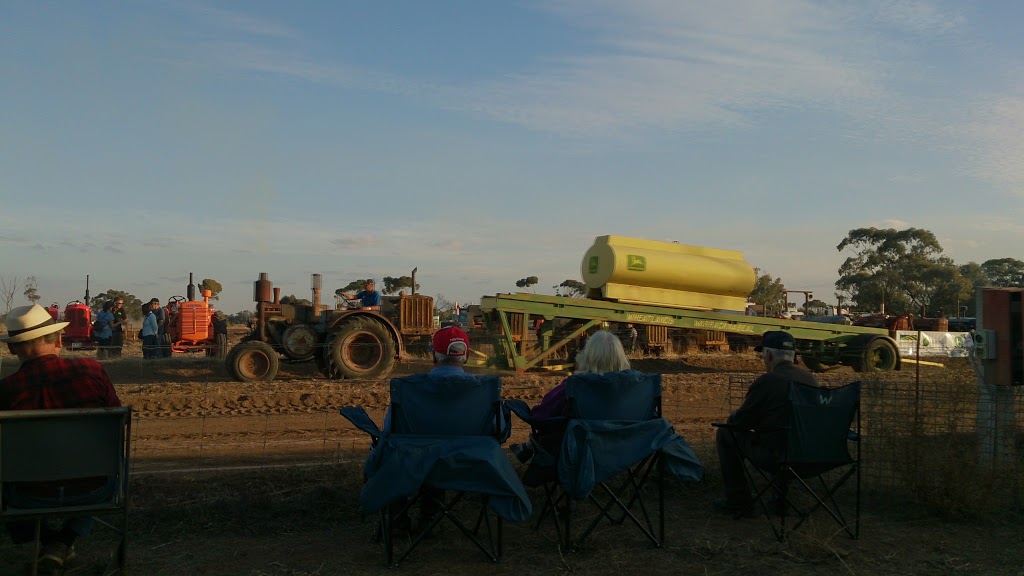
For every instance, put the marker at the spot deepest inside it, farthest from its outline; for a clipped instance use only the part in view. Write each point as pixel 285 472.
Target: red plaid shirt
pixel 54 382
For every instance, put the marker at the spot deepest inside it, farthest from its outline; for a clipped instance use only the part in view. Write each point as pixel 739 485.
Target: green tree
pixel 880 272
pixel 392 285
pixel 353 286
pixel 213 286
pixel 571 288
pixel 768 292
pixel 526 282
pixel 816 308
pixel 962 303
pixel 1004 272
pixel 295 300
pixel 956 291
pixel 31 292
pixel 925 280
pixel 132 305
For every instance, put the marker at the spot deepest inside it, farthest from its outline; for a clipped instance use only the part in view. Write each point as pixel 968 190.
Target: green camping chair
pixel 817 461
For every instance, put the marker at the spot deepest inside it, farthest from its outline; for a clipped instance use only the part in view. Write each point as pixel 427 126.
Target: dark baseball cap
pixel 777 339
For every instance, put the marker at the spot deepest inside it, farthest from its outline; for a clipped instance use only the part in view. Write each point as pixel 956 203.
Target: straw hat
pixel 28 323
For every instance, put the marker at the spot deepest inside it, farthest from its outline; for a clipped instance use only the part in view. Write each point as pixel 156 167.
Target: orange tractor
pixel 190 325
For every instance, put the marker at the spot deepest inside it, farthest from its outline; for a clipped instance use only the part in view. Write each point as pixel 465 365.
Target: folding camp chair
pixel 823 423
pixel 440 443
pixel 615 443
pixel 65 448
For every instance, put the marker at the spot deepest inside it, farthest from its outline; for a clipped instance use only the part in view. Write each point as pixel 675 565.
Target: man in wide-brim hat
pixel 45 380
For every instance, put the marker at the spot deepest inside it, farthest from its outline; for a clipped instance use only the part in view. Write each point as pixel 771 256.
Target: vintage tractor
pixel 78 334
pixel 190 325
pixel 342 342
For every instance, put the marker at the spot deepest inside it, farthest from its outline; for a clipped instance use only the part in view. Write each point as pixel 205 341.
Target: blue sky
pixel 483 142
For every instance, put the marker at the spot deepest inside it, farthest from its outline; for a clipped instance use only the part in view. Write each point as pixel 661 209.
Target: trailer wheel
pixel 879 356
pixel 253 361
pixel 813 364
pixel 361 348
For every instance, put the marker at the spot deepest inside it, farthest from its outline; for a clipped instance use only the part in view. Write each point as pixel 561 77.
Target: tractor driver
pixel 369 297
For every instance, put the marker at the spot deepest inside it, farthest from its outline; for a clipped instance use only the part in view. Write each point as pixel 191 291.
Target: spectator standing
pixel 766 405
pixel 44 380
pixel 103 329
pixel 161 324
pixel 120 321
pixel 632 335
pixel 150 331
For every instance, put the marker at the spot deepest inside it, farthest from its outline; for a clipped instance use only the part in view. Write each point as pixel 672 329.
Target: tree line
pixel 902 272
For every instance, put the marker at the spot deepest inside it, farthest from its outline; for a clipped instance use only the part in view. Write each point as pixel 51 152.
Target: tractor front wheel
pixel 361 348
pixel 253 361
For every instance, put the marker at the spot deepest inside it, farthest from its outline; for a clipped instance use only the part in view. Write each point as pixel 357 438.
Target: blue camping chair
pixel 440 442
pixel 615 443
pixel 824 423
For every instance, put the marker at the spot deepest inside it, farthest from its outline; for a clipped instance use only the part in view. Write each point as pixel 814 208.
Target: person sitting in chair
pixel 602 353
pixel 44 380
pixel 765 406
pixel 450 350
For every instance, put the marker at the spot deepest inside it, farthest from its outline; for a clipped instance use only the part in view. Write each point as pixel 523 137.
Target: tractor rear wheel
pixel 361 348
pixel 253 361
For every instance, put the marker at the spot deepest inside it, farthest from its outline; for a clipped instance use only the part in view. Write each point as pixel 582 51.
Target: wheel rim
pixel 253 364
pixel 362 351
pixel 882 359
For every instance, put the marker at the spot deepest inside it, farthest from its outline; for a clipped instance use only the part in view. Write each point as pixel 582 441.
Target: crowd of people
pixel 44 380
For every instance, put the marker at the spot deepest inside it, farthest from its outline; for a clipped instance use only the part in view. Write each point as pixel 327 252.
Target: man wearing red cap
pixel 451 350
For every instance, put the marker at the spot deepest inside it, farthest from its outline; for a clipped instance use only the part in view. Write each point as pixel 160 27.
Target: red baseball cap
pixel 446 341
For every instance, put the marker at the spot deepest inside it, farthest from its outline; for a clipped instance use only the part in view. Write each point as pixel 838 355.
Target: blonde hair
pixel 603 353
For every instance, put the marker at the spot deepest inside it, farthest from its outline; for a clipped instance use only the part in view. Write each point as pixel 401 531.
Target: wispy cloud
pixel 238 22
pixel 993 141
pixel 355 241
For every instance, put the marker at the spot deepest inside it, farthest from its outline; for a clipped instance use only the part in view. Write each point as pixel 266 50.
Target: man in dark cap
pixel 765 406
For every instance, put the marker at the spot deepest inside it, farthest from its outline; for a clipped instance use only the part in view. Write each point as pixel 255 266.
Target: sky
pixel 482 141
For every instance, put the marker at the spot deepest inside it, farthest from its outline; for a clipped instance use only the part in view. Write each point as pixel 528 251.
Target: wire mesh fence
pixel 943 443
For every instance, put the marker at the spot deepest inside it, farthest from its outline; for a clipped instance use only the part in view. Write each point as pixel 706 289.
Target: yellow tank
pixel 667 273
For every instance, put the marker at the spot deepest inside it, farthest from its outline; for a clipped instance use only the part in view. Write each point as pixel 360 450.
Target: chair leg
pixel 36 548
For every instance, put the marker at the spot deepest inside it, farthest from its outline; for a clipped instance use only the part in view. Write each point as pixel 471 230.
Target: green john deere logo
pixel 592 265
pixel 636 263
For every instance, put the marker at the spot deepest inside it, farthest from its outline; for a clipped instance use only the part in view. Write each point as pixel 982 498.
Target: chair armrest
pixel 360 419
pixel 519 408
